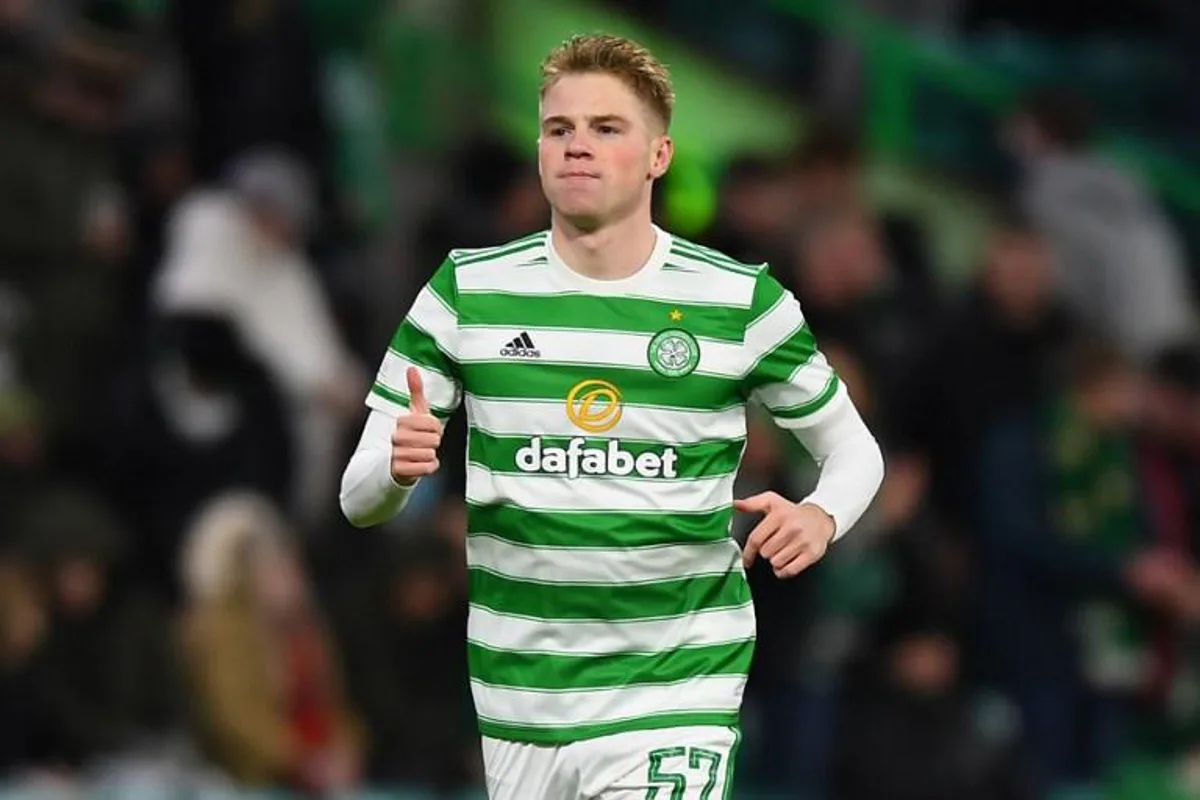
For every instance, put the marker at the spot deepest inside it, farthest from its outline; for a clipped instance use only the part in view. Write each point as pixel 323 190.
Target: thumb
pixel 760 503
pixel 417 403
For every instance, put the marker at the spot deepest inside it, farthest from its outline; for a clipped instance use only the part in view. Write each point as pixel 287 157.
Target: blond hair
pixel 622 58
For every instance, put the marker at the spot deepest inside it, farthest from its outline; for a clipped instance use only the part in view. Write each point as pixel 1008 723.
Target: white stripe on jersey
pixel 601 637
pixel 591 493
pixel 601 565
pixel 715 693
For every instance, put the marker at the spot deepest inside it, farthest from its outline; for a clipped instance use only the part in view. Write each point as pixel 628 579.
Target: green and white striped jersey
pixel 606 423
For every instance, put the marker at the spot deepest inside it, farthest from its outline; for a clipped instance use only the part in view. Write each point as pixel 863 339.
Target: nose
pixel 578 146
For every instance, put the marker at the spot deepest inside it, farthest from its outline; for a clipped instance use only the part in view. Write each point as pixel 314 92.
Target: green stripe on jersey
pixel 711 257
pixel 809 406
pixel 556 735
pixel 444 286
pixel 532 380
pixel 577 529
pixel 519 246
pixel 419 347
pixel 613 603
pixel 401 399
pixel 703 460
pixel 778 365
pixel 768 292
pixel 556 672
pixel 579 311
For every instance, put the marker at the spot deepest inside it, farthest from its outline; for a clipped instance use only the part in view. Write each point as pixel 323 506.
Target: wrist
pixel 404 484
pixel 831 521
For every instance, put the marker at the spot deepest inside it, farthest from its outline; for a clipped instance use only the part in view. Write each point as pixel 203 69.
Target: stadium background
pixel 213 213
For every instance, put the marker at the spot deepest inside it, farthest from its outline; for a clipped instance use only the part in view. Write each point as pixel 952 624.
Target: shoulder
pixel 723 276
pixel 515 251
pixel 484 268
pixel 710 260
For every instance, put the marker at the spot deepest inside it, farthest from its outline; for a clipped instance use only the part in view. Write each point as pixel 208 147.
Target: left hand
pixel 792 537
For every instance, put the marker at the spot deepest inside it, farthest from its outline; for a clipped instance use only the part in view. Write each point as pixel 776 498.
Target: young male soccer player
pixel 606 366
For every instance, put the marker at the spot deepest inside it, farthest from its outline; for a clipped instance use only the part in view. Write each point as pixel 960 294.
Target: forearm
pixel 850 460
pixel 369 496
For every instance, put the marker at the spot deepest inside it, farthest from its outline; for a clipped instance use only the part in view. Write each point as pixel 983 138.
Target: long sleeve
pixel 369 496
pixel 790 377
pixel 426 339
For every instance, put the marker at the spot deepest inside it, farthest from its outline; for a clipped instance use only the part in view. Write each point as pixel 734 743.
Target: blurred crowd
pixel 187 331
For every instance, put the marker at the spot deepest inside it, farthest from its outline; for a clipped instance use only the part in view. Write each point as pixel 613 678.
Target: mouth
pixel 580 174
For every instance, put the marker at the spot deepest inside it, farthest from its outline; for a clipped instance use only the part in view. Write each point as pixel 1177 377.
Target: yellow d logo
pixel 594 405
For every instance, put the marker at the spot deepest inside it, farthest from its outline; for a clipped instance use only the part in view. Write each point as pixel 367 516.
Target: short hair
pixel 622 58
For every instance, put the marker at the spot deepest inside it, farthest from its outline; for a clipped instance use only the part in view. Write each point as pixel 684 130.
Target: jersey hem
pixel 575 733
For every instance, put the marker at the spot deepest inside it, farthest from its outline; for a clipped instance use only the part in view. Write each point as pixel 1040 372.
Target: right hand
pixel 417 436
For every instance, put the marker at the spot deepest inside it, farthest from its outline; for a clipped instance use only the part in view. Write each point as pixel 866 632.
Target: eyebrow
pixel 559 119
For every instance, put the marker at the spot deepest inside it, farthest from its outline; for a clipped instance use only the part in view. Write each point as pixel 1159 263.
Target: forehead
pixel 591 94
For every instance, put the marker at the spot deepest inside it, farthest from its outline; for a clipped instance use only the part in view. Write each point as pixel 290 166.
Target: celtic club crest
pixel 673 353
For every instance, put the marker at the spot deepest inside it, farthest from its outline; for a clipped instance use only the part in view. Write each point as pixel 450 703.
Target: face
pixel 79 585
pixel 279 581
pixel 599 150
pixel 841 261
pixel 1017 275
pixel 925 664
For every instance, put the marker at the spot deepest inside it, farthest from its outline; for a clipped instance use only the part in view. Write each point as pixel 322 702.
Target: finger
pixel 408 438
pixel 415 455
pixel 790 547
pixel 414 469
pixel 780 541
pixel 797 565
pixel 759 503
pixel 758 537
pixel 417 403
pixel 426 423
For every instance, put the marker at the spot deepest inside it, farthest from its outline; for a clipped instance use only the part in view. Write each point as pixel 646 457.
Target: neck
pixel 611 252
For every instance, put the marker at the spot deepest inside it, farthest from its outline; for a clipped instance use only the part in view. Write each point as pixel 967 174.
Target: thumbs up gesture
pixel 417 436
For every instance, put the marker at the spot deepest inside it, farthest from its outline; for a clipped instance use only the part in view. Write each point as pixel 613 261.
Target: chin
pixel 580 215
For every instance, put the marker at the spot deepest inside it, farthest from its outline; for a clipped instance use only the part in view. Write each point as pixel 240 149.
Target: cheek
pixel 634 161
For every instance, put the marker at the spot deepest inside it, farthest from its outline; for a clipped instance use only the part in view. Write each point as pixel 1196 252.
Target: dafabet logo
pixel 595 406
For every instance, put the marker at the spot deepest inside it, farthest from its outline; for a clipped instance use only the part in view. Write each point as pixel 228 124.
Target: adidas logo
pixel 521 347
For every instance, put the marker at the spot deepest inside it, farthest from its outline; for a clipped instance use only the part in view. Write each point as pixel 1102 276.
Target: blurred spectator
pixel 1119 264
pixel 62 225
pixel 268 699
pixel 927 737
pixel 755 214
pixel 23 623
pixel 236 250
pixel 100 682
pixel 252 77
pixel 418 708
pixel 199 417
pixel 493 196
pixel 995 354
pixel 1169 468
pixel 827 171
pixel 1071 573
pixel 850 292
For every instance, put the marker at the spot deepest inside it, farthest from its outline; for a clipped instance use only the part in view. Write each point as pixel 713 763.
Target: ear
pixel 663 152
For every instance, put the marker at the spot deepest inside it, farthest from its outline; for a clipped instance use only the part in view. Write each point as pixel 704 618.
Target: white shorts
pixel 667 764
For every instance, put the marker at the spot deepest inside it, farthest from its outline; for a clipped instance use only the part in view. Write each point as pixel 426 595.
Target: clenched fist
pixel 417 436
